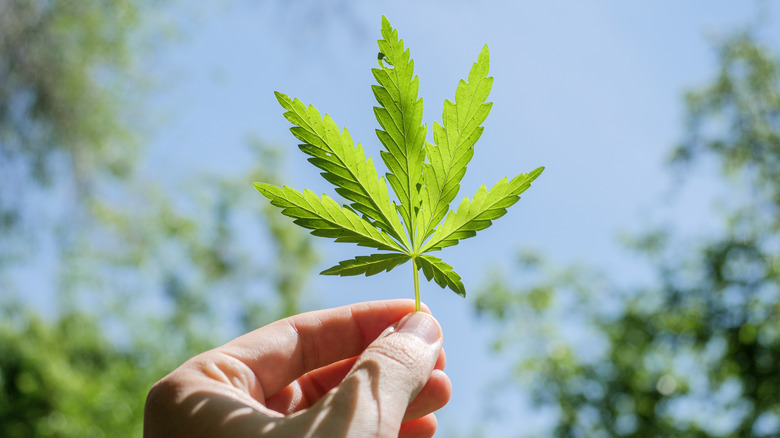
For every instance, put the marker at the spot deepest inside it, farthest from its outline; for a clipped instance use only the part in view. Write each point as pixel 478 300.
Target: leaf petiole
pixel 416 285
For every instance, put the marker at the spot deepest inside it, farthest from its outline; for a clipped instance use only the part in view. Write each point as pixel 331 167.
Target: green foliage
pixel 696 353
pixel 326 218
pixel 64 379
pixel 477 214
pixel 368 265
pixel 87 372
pixel 400 116
pixel 424 189
pixel 64 70
pixel 142 277
pixel 344 165
pixel 442 273
pixel 454 143
pixel 735 117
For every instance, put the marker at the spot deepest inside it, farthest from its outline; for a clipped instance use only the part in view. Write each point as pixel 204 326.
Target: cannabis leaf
pixel 425 177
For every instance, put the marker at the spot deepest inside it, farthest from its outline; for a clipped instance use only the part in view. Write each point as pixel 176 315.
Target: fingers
pixel 423 427
pixel 434 395
pixel 312 340
pixel 307 390
pixel 181 407
pixel 385 379
pixel 391 382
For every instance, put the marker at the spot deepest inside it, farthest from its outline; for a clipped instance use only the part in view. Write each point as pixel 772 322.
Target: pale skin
pixel 372 369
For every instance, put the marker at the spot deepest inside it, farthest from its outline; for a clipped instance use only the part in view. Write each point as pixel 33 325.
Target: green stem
pixel 416 286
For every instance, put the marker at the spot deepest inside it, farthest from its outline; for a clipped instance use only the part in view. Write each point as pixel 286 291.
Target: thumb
pixel 372 398
pixel 390 373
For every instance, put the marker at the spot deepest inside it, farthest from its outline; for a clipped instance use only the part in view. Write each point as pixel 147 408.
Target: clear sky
pixel 589 89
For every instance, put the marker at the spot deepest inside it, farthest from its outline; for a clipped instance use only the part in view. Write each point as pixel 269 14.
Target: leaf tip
pixel 266 189
pixel 281 97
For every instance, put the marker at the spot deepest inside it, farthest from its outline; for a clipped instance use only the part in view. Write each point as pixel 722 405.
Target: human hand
pixel 367 370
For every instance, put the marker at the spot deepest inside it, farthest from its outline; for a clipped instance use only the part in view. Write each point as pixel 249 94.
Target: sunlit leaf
pixel 423 189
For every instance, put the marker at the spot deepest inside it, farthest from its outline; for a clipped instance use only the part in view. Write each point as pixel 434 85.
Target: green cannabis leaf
pixel 425 177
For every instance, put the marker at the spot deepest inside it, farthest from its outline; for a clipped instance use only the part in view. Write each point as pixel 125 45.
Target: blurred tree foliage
pixel 696 353
pixel 64 378
pixel 142 291
pixel 143 276
pixel 62 100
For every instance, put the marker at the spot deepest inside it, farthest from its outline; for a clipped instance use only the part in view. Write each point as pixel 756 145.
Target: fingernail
pixel 421 325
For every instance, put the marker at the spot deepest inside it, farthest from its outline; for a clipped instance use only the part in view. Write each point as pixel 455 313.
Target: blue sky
pixel 589 89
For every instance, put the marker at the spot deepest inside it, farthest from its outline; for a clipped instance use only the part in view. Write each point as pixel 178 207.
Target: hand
pixel 366 370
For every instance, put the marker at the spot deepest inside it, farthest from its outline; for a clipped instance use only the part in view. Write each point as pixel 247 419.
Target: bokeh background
pixel 633 291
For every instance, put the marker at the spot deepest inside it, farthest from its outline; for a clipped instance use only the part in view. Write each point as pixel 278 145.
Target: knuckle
pixel 401 357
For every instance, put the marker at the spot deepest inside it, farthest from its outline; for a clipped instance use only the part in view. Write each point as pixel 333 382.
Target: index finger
pixel 284 350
